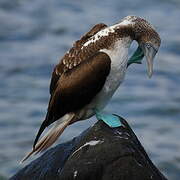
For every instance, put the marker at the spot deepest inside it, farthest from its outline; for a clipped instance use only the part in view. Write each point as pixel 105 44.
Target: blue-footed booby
pixel 90 72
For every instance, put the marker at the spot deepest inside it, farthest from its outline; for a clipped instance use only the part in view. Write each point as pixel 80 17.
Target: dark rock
pixel 99 153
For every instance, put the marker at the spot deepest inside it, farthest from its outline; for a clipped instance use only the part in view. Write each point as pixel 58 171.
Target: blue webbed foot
pixel 110 119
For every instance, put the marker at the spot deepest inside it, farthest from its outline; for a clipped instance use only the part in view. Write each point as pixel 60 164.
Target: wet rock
pixel 99 153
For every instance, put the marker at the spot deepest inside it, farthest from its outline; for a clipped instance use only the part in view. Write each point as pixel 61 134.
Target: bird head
pixel 149 42
pixel 148 39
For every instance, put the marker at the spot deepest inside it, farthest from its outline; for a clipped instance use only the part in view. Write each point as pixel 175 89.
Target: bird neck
pixel 124 31
pixel 119 53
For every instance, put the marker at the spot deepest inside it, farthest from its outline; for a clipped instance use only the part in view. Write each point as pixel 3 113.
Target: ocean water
pixel 35 34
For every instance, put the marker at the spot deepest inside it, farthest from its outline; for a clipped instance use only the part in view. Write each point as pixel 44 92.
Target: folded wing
pixel 76 87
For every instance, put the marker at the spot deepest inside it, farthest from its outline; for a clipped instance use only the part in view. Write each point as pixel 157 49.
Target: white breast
pixel 119 58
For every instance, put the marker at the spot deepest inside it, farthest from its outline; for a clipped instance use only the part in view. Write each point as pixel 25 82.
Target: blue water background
pixel 35 34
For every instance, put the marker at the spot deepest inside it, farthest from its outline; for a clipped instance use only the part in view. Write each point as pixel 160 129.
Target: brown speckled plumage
pixel 82 72
pixel 78 53
pixel 81 55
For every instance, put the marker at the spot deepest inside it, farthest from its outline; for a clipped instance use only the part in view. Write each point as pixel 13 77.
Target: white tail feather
pixel 52 135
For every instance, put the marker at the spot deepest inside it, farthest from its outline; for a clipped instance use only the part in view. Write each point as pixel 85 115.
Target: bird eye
pixel 148 45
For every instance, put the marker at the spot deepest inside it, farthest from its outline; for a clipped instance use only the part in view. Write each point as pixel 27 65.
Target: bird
pixel 89 73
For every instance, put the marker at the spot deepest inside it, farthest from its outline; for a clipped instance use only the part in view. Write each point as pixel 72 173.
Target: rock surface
pixel 99 153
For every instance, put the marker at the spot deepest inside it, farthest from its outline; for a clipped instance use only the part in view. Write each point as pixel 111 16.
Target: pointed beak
pixel 149 52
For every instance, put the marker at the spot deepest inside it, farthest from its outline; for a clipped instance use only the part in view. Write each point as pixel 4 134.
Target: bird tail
pixel 52 135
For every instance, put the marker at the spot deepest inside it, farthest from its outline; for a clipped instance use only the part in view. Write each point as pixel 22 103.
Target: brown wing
pixel 71 57
pixel 76 87
pixel 68 70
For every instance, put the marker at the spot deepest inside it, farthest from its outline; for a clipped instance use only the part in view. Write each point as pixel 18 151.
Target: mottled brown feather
pixel 72 55
pixel 76 87
pixel 82 72
pixel 62 101
pixel 80 75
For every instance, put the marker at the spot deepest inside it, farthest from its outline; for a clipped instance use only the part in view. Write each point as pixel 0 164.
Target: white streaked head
pixel 146 36
pixel 127 20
